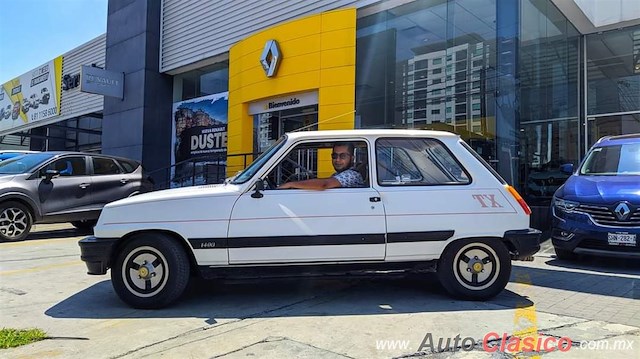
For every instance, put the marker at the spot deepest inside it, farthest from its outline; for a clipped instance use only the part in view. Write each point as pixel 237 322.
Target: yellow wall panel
pixel 282 33
pixel 301 46
pixel 338 57
pixel 338 19
pixel 333 76
pixel 337 39
pixel 336 94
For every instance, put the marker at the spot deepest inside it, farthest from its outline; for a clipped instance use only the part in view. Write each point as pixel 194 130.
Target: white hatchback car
pixel 428 203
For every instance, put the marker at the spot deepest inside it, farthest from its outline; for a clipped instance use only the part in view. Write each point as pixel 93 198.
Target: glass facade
pixel 504 75
pixel 613 83
pixel 202 82
pixel 549 73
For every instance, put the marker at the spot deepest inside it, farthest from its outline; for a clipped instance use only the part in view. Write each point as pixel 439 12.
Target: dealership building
pixel 200 87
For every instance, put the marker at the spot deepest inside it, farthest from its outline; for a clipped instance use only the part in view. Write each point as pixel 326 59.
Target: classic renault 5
pixel 423 201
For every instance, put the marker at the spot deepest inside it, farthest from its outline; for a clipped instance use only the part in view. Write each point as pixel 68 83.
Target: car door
pixel 110 182
pixel 295 225
pixel 68 192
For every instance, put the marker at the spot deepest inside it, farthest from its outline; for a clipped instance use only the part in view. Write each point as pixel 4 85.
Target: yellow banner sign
pixel 32 97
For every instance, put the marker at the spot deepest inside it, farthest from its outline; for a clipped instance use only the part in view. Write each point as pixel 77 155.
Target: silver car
pixel 54 187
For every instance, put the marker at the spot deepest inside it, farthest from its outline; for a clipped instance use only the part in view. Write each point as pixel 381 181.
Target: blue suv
pixel 597 210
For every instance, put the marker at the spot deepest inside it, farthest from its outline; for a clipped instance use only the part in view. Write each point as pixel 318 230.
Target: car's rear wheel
pixel 15 221
pixel 564 254
pixel 85 225
pixel 151 271
pixel 475 269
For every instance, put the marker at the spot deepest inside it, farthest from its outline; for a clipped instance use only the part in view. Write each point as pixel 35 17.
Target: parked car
pixel 54 187
pixel 597 210
pixel 442 209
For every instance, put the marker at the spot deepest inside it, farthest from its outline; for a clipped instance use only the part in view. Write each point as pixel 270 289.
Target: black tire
pixel 140 261
pixel 15 221
pixel 85 225
pixel 475 269
pixel 564 254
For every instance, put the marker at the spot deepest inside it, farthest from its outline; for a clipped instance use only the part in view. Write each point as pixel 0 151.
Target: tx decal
pixel 487 200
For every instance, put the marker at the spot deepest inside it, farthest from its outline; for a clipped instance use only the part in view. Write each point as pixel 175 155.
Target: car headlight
pixel 564 205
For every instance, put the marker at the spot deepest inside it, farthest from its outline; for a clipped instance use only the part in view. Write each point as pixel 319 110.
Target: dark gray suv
pixel 54 187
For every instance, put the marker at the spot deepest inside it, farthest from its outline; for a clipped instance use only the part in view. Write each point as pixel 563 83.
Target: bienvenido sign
pixel 102 82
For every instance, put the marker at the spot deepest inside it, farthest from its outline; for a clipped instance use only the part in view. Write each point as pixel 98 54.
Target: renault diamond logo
pixel 270 58
pixel 622 211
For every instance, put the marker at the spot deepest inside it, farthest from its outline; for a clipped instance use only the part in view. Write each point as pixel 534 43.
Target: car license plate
pixel 621 239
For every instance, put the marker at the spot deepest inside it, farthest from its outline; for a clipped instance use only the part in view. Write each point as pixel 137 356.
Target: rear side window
pixel 404 161
pixel 105 166
pixel 128 166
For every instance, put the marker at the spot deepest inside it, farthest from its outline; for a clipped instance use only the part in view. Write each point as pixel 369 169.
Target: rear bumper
pixel 526 242
pixel 96 253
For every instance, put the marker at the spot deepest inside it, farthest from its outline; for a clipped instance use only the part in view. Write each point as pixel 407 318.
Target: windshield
pixel 245 175
pixel 24 163
pixel 619 160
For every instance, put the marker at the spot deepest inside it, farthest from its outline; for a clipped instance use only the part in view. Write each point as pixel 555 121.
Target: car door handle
pixel 124 180
pixel 84 185
pixel 374 199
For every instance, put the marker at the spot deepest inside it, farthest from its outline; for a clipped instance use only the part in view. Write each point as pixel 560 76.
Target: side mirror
pixel 51 174
pixel 567 168
pixel 259 187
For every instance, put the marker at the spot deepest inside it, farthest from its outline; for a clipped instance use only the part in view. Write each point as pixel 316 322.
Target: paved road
pixel 43 284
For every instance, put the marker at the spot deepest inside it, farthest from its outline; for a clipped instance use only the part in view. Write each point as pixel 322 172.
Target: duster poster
pixel 199 141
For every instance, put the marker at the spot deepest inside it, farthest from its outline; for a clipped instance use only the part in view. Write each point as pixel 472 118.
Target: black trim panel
pixel 287 241
pixel 324 240
pixel 419 236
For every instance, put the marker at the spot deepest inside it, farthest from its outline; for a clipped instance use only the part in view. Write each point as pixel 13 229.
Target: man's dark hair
pixel 350 146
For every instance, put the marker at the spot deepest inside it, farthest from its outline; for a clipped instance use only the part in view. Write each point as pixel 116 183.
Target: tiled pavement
pixel 595 289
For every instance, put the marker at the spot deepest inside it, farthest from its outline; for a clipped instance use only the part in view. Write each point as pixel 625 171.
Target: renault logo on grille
pixel 270 58
pixel 622 211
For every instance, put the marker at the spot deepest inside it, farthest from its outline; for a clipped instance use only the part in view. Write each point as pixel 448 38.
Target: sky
pixel 34 32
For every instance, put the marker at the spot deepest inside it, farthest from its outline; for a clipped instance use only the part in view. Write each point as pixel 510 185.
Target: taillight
pixel 518 198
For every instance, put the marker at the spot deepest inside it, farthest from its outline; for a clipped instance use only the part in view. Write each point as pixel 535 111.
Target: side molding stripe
pixel 324 240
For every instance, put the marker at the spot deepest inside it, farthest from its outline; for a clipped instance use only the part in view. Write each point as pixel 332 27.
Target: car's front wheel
pixel 15 221
pixel 151 271
pixel 475 269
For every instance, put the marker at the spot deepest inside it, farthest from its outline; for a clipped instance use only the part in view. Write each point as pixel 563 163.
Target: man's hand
pixel 285 185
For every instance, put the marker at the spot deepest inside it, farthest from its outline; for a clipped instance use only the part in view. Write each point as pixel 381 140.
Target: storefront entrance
pixel 273 118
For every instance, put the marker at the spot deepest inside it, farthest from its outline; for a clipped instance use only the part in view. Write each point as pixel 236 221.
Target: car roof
pixel 369 133
pixel 618 140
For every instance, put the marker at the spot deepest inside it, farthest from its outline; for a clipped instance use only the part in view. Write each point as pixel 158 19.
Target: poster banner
pixel 32 97
pixel 199 141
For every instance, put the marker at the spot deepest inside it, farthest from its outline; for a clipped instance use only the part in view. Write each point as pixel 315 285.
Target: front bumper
pixel 592 240
pixel 96 253
pixel 526 242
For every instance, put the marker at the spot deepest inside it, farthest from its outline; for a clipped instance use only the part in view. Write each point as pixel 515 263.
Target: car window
pixel 613 160
pixel 128 166
pixel 105 166
pixel 313 160
pixel 402 161
pixel 24 163
pixel 66 167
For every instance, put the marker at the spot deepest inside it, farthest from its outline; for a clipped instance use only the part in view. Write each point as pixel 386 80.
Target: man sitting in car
pixel 345 176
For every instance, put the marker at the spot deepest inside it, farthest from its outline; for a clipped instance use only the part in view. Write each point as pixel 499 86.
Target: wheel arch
pixel 26 201
pixel 175 236
pixel 451 242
